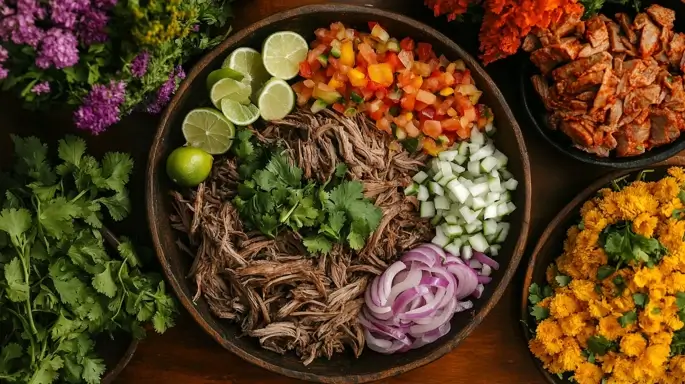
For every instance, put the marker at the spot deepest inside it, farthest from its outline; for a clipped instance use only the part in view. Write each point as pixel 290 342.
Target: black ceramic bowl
pixel 538 114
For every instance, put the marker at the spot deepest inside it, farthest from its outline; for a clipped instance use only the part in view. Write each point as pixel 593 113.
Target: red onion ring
pixel 486 260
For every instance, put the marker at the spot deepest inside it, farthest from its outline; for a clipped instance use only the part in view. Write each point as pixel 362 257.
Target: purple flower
pixel 58 48
pixel 196 28
pixel 3 73
pixel 4 55
pixel 41 88
pixel 105 4
pixel 167 89
pixel 139 64
pixel 100 108
pixel 66 12
pixel 91 30
pixel 19 25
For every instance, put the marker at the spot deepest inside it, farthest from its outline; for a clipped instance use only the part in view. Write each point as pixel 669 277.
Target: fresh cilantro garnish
pixel 656 310
pixel 599 345
pixel 536 294
pixel 562 280
pixel 678 343
pixel 604 271
pixel 640 299
pixel 624 247
pixel 539 313
pixel 411 145
pixel 276 197
pixel 60 286
pixel 628 318
pixel 589 355
pixel 620 285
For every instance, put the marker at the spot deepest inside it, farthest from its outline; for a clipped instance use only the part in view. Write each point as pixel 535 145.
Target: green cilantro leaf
pixel 640 299
pixel 333 225
pixel 118 205
pixel 47 371
pixel 17 288
pixel 539 313
pixel 678 343
pixel 15 222
pixel 340 170
pixel 628 318
pixel 317 244
pixel 116 170
pixel 56 217
pixel 536 295
pixel 93 370
pixel 9 352
pixel 604 271
pixel 128 252
pixel 281 167
pixel 620 285
pixel 104 282
pixel 600 345
pixel 162 321
pixel 32 159
pixel 71 149
pixel 562 280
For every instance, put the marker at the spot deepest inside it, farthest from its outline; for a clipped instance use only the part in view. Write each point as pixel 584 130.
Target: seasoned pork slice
pixel 662 16
pixel 615 37
pixel 675 99
pixel 586 96
pixel 596 31
pixel 542 88
pixel 531 43
pixel 566 26
pixel 549 57
pixel 631 49
pixel 664 126
pixel 639 99
pixel 649 39
pixel 641 73
pixel 631 138
pixel 588 50
pixel 615 113
pixel 596 62
pixel 626 26
pixel 676 48
pixel 577 132
pixel 607 91
pixel 583 83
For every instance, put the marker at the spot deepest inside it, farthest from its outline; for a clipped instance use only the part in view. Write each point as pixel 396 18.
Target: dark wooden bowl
pixel 343 368
pixel 550 244
pixel 538 114
pixel 117 351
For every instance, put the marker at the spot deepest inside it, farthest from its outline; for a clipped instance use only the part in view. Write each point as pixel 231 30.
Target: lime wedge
pixel 248 62
pixel 234 90
pixel 209 130
pixel 276 100
pixel 282 54
pixel 239 114
pixel 223 73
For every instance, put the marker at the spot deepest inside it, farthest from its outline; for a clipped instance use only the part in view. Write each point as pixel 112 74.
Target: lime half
pixel 239 114
pixel 223 73
pixel 282 54
pixel 248 62
pixel 232 89
pixel 276 100
pixel 209 130
pixel 188 166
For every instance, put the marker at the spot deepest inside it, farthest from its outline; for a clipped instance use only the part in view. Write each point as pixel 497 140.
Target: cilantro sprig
pixel 624 247
pixel 535 296
pixel 59 286
pixel 274 196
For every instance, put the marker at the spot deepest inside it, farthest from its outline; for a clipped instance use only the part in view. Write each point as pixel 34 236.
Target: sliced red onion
pixel 485 260
pixel 484 279
pixel 486 270
pixel 464 306
pixel 475 264
pixel 412 280
pixel 439 251
pixel 385 283
pixel 437 321
pixel 451 259
pixel 467 278
pixel 479 291
pixel 425 256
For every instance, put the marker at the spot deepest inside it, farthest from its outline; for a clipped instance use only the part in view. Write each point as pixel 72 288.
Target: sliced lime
pixel 282 54
pixel 234 90
pixel 239 114
pixel 209 130
pixel 223 73
pixel 248 62
pixel 276 100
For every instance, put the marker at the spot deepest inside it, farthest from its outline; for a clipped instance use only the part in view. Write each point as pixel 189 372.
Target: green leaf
pixel 104 282
pixel 71 149
pixel 93 370
pixel 620 285
pixel 47 371
pixel 32 159
pixel 333 225
pixel 118 206
pixel 281 167
pixel 162 322
pixel 64 327
pixel 317 244
pixel 640 299
pixel 15 222
pixel 604 271
pixel 9 352
pixel 680 300
pixel 681 196
pixel 340 170
pixel 17 288
pixel 128 252
pixel 562 280
pixel 628 318
pixel 599 345
pixel 539 313
pixel 116 170
pixel 56 217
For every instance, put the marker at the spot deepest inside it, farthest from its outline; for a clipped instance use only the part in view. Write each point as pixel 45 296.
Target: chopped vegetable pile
pixel 59 286
pixel 425 101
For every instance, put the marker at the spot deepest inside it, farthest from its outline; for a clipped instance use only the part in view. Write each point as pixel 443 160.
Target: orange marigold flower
pixel 451 8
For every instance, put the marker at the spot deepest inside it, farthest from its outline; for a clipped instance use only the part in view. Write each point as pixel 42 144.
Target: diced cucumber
pixel 423 194
pixel 501 158
pixel 393 45
pixel 435 165
pixel 318 106
pixel 489 227
pixel 459 191
pixel 445 180
pixel 488 164
pixel 478 189
pixel 335 48
pixel 437 218
pixel 494 185
pixel 477 136
pixel 412 190
pixel 473 227
pixel 490 212
pixel 490 129
pixel 483 152
pixel 474 168
pixel 457 169
pixel 451 219
pixel 460 159
pixel 440 239
pixel 435 189
pixel 492 197
pixel 323 59
pixel 437 175
pixel 464 148
pixel 478 203
pixel 420 177
pixel 445 168
pixel 506 175
pixel 510 207
pixel 452 231
pixel 502 209
pixel 441 202
pixel 478 242
pixel 468 215
pixel 453 249
pixel 466 252
pixel 494 250
pixel 505 196
pixel 427 210
pixel 510 184
pixel 448 155
pixel 503 229
pixel 473 148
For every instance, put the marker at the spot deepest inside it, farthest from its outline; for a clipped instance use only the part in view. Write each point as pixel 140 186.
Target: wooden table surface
pixel 494 353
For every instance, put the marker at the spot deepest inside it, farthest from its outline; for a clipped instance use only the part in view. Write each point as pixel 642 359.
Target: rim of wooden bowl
pixel 151 187
pixel 571 209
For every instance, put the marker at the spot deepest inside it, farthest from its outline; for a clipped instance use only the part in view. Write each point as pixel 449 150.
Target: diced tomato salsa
pixel 403 86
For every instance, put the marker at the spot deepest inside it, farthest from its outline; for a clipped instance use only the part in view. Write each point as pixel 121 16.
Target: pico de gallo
pixel 425 101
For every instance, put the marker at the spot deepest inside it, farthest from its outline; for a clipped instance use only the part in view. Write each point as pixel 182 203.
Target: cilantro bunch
pixel 274 197
pixel 624 247
pixel 60 286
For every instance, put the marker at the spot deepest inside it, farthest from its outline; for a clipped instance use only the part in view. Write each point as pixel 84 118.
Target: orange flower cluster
pixel 451 8
pixel 507 22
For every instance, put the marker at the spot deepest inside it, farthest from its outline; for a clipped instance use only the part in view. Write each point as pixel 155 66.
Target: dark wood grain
pixel 495 353
pixel 343 368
